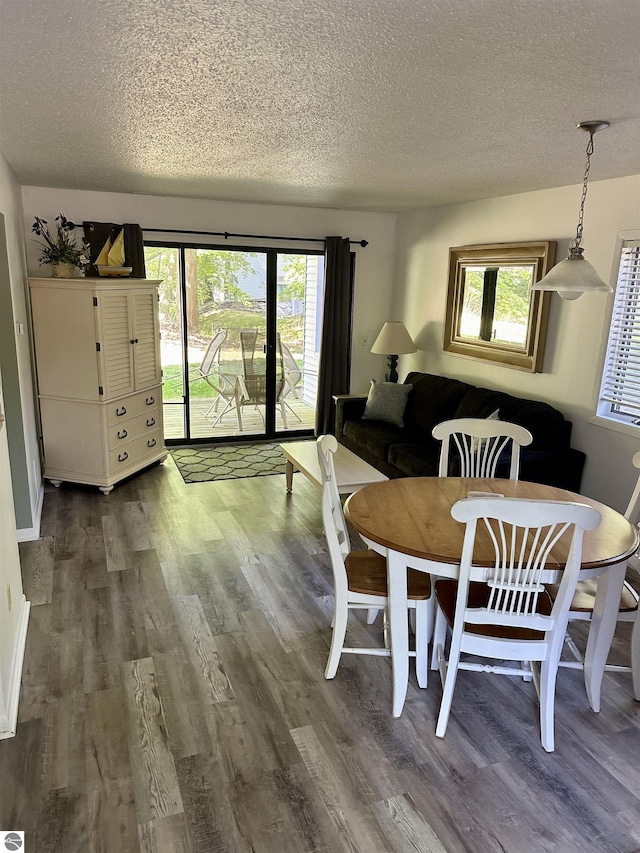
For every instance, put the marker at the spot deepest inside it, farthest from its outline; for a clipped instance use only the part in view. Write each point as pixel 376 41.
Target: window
pixel 620 390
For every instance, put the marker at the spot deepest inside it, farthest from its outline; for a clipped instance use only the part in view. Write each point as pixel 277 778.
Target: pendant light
pixel 575 276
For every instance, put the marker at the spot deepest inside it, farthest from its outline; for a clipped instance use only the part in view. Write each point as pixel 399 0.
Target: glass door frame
pixel 270 433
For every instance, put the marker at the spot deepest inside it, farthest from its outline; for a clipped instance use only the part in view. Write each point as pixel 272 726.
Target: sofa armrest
pixel 563 470
pixel 349 407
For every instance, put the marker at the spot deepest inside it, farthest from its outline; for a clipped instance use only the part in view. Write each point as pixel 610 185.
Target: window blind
pixel 621 376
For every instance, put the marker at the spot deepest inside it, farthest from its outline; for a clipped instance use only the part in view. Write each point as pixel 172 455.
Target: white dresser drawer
pixel 130 454
pixel 133 428
pixel 130 407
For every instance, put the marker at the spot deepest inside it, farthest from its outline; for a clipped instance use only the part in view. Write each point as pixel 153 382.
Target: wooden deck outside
pixel 252 420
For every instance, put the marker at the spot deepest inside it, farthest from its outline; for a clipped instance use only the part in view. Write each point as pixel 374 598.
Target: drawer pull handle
pixel 150 401
pixel 151 422
pixel 122 457
pixel 122 433
pixel 151 443
pixel 121 412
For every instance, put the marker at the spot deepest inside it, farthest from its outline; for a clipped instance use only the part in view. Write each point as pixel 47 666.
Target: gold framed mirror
pixel 492 312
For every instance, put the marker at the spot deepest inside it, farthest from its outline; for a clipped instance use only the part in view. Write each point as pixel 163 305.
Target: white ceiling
pixel 366 104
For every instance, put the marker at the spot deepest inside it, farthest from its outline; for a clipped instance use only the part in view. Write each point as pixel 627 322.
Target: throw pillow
pixel 387 402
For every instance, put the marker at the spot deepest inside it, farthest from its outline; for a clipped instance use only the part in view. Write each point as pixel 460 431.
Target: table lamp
pixel 393 340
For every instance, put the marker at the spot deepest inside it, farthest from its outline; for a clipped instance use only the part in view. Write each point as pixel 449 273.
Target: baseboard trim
pixel 29 534
pixel 9 719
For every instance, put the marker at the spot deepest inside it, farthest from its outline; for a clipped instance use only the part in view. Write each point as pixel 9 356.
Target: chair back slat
pixel 521 555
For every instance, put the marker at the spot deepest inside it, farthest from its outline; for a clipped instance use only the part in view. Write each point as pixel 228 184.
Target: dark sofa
pixel 411 450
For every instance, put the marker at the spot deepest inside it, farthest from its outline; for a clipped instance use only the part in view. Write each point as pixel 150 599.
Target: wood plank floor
pixel 173 700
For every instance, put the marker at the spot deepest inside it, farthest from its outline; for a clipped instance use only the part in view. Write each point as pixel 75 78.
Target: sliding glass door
pixel 240 340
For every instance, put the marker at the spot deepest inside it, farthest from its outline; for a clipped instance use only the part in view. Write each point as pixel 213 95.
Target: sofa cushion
pixel 416 460
pixel 374 436
pixel 480 403
pixel 387 402
pixel 434 399
pixel 546 424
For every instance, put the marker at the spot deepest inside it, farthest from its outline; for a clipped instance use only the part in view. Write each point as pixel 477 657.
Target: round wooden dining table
pixel 409 521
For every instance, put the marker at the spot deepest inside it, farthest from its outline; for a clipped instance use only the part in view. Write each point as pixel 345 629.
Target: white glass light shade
pixel 393 340
pixel 572 277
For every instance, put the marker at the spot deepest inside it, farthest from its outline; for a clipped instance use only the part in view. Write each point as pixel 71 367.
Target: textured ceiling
pixel 365 104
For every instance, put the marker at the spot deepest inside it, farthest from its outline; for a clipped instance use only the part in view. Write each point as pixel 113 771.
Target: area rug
pixel 228 462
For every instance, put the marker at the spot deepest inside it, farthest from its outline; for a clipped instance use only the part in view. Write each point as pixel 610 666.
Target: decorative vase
pixel 63 270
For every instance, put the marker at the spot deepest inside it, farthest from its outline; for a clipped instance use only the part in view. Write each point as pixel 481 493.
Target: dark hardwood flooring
pixel 173 700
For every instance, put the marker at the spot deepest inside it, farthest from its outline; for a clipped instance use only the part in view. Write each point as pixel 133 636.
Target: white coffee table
pixel 351 472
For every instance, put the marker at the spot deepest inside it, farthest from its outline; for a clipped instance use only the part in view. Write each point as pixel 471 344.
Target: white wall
pixel 374 264
pixel 15 360
pixel 577 330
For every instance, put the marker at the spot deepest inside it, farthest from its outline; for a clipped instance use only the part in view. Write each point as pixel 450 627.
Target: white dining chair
pixel 584 599
pixel 510 616
pixel 480 444
pixel 360 578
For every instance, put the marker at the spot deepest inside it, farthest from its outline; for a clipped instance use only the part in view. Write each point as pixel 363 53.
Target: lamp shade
pixel 393 340
pixel 572 277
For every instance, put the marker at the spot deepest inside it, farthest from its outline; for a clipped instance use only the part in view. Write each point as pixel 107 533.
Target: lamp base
pixel 392 364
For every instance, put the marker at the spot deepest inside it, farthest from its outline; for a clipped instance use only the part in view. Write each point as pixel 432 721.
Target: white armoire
pixel 97 347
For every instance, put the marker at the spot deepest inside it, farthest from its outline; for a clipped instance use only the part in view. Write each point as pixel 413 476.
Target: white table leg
pixel 399 628
pixel 602 629
pixel 288 473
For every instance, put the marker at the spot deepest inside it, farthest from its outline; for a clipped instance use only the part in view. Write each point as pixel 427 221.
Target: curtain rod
pixel 227 234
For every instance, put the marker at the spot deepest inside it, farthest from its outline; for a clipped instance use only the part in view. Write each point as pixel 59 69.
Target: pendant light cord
pixel 578 238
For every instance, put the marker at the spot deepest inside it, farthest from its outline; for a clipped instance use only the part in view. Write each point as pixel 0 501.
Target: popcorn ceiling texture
pixel 371 104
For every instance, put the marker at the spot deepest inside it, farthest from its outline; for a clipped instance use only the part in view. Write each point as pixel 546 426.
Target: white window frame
pixel 619 358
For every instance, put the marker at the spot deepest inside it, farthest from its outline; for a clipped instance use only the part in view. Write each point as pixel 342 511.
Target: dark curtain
pixel 96 234
pixel 335 348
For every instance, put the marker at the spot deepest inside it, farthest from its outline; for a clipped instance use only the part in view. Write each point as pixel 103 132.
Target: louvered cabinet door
pixel 146 333
pixel 115 332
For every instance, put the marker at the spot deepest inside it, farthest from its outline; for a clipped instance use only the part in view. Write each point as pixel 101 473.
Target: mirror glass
pixel 492 312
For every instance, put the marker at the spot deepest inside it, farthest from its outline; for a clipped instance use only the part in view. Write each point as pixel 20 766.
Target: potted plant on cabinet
pixel 62 251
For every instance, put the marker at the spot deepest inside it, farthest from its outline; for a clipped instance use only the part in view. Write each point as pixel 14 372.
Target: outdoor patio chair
pixel 292 375
pixel 209 371
pixel 251 387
